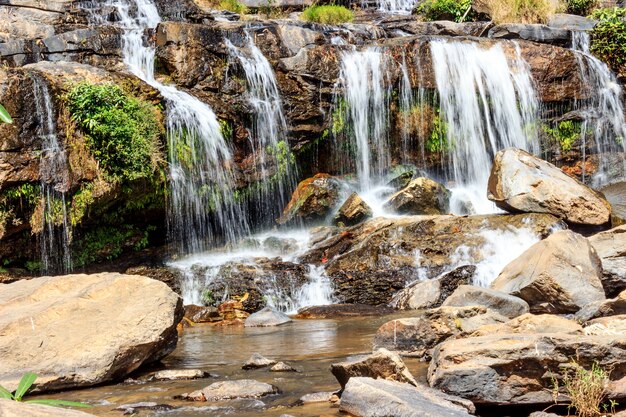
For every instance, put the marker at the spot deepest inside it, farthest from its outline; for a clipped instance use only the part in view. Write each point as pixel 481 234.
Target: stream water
pixel 310 346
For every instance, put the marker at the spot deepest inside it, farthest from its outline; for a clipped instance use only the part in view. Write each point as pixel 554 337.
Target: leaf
pixel 25 383
pixel 4 115
pixel 5 393
pixel 59 403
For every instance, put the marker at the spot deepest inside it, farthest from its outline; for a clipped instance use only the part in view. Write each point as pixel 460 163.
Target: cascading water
pixel 269 125
pixel 603 112
pixel 55 235
pixel 397 6
pixel 201 206
pixel 487 104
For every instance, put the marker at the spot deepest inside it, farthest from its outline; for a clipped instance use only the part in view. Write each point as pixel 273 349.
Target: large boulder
pixel 313 200
pixel 367 397
pixel 532 32
pixel 611 248
pixel 417 336
pixel 226 390
pixel 381 364
pixel 353 211
pixel 266 318
pixel 532 324
pixel 509 369
pixel 564 277
pixel 432 293
pixel 505 304
pixel 124 321
pixel 421 196
pixel 9 408
pixel 522 182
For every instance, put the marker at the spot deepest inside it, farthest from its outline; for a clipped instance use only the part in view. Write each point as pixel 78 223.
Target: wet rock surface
pixel 226 390
pixel 420 196
pixel 337 311
pixel 353 211
pixel 313 200
pixel 179 374
pixel 258 361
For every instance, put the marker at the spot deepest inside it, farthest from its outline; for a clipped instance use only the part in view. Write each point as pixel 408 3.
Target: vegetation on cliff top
pixel 608 38
pixel 328 14
pixel 458 11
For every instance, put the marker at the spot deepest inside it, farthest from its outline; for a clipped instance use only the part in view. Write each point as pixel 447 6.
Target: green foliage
pixel 457 10
pixel 608 37
pixel 586 390
pixel 80 203
pixel 33 266
pixel 565 133
pixel 26 194
pixel 122 131
pixel 284 158
pixel 234 6
pixel 581 7
pixel 108 243
pixel 207 298
pixel 5 117
pixel 339 117
pixel 330 14
pixel 27 381
pixel 438 139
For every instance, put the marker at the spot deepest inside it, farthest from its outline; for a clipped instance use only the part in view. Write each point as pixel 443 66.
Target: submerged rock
pixel 257 361
pixel 226 390
pixel 10 408
pixel 202 314
pixel 282 367
pixel 342 310
pixel 565 275
pixel 432 293
pixel 367 397
pixel 505 304
pixel 313 200
pixel 381 364
pixel 148 405
pixel 513 369
pixel 611 248
pixel 421 196
pixel 267 317
pixel 416 336
pixel 316 397
pixel 522 182
pixel 179 374
pixel 353 211
pixel 37 314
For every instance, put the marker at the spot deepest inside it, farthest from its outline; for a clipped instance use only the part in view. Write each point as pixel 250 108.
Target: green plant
pixel 5 117
pixel 122 131
pixel 329 14
pixel 581 7
pixel 586 389
pixel 234 6
pixel 521 11
pixel 565 133
pixel 339 116
pixel 207 298
pixel 108 243
pixel 457 10
pixel 608 38
pixel 438 139
pixel 27 381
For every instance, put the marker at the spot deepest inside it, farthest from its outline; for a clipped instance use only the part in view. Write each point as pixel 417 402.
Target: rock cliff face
pixel 192 52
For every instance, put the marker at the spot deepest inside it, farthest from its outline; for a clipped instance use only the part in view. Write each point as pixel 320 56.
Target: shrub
pixel 521 11
pixel 328 14
pixel 586 390
pixel 565 133
pixel 608 38
pixel 457 10
pixel 234 6
pixel 581 7
pixel 121 131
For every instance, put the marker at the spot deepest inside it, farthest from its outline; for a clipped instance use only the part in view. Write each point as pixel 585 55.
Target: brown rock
pixel 421 196
pixel 531 324
pixel 313 200
pixel 611 248
pixel 353 211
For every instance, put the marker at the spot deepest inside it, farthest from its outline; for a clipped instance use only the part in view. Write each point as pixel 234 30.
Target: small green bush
pixel 565 133
pixel 608 38
pixel 445 10
pixel 121 131
pixel 581 7
pixel 234 6
pixel 328 14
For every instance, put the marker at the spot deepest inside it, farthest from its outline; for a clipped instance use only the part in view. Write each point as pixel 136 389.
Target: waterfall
pixel 397 6
pixel 269 142
pixel 55 234
pixel 201 206
pixel 487 103
pixel 603 113
pixel 366 111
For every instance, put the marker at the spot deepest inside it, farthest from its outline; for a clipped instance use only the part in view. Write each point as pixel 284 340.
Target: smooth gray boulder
pixel 560 274
pixel 266 318
pixel 125 321
pixel 532 32
pixel 282 367
pixel 380 364
pixel 432 293
pixel 521 182
pixel 367 397
pixel 226 390
pixel 505 304
pixel 258 361
pixel 610 246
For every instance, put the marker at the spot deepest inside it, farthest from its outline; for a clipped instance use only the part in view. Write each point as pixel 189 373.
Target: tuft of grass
pixel 328 14
pixel 234 6
pixel 521 11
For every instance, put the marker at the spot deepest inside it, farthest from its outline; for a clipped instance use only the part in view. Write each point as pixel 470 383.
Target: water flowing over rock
pixel 382 364
pixel 505 304
pixel 313 200
pixel 566 275
pixel 366 397
pixel 37 314
pixel 416 336
pixel 432 293
pixel 421 196
pixel 511 369
pixel 353 211
pixel 611 248
pixel 10 408
pixel 522 182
